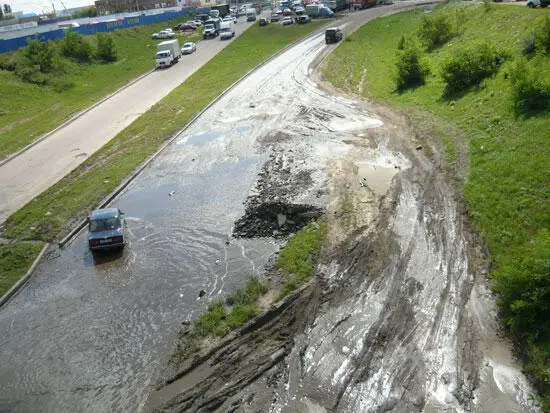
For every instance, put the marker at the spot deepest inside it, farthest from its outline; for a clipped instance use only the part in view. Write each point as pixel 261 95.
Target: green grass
pixel 15 260
pixel 507 187
pixel 222 317
pixel 298 258
pixel 28 111
pixel 73 197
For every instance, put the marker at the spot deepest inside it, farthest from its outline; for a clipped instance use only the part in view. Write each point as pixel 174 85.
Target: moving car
pixel 287 21
pixel 263 21
pixel 333 35
pixel 188 48
pixel 106 229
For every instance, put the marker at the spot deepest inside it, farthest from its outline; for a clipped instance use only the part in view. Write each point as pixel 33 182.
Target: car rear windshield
pixel 104 224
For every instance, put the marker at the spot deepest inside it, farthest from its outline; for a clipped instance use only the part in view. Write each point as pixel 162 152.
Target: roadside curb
pixel 73 118
pixel 23 280
pixel 125 183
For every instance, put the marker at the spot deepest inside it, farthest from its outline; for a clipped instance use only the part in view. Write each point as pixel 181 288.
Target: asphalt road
pixel 27 175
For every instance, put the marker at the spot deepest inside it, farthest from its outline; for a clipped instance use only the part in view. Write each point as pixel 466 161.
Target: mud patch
pixel 275 219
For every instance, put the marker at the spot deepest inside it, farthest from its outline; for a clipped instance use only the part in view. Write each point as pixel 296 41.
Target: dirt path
pixel 399 318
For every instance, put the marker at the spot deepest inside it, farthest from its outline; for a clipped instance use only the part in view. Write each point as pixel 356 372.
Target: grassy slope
pixel 81 190
pixel 16 260
pixel 507 188
pixel 28 111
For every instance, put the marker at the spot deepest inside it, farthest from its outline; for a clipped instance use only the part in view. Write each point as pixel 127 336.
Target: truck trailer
pixel 222 8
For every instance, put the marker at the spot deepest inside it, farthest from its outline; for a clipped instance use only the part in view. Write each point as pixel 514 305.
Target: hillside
pixel 484 87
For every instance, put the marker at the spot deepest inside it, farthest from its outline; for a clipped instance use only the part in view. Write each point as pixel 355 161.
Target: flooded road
pixel 94 334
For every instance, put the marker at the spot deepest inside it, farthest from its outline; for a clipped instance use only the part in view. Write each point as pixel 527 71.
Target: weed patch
pixel 222 317
pixel 298 258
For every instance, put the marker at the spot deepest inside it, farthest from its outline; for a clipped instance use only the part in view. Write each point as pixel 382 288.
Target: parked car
pixel 287 12
pixel 106 229
pixel 287 21
pixel 274 17
pixel 537 3
pixel 164 34
pixel 263 21
pixel 188 48
pixel 188 27
pixel 304 18
pixel 333 35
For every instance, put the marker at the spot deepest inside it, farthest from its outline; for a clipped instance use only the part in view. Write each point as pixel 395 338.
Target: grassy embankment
pixel 296 264
pixel 49 214
pixel 29 110
pixel 507 190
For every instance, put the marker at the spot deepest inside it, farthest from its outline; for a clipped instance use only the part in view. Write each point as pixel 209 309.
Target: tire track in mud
pixel 399 317
pixel 386 326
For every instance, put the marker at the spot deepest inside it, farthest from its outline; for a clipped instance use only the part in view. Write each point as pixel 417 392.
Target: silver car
pixel 188 48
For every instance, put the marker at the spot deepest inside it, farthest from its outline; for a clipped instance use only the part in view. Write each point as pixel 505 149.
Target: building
pixel 105 7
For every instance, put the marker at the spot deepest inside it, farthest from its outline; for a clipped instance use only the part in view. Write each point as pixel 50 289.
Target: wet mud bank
pixel 399 317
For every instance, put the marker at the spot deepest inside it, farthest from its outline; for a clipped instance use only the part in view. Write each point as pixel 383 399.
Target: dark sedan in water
pixel 106 229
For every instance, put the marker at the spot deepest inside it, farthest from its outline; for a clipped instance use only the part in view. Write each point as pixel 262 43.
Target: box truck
pixel 226 30
pixel 168 53
pixel 211 28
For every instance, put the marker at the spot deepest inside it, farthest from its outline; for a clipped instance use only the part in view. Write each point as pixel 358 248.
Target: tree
pixel 39 55
pixel 1 14
pixel 106 48
pixel 74 45
pixel 7 9
pixel 87 12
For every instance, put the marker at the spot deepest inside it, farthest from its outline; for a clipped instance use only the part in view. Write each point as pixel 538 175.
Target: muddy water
pixel 91 333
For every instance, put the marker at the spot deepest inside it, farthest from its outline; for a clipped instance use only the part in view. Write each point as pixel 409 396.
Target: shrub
pixel 529 43
pixel 538 40
pixel 524 288
pixel 74 45
pixel 435 31
pixel 412 68
pixel 469 66
pixel 530 90
pixel 106 48
pixel 401 43
pixel 39 55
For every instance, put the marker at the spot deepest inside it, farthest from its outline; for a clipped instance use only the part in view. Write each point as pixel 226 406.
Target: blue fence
pixel 87 29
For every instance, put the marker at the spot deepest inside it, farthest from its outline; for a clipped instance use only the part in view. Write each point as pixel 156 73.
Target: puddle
pixel 376 177
pixel 203 138
pixel 344 125
pixel 242 129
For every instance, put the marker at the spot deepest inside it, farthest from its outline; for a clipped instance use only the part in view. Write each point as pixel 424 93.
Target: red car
pixel 287 12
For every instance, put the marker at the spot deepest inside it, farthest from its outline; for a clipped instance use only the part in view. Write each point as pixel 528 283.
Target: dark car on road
pixel 263 21
pixel 106 229
pixel 333 35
